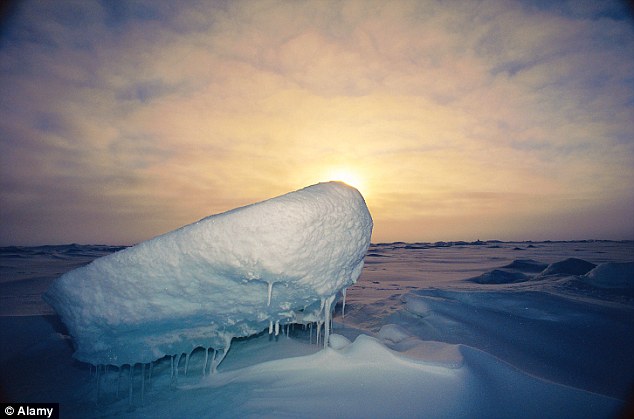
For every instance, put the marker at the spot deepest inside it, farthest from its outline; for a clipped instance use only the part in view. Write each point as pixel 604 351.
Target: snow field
pixel 417 340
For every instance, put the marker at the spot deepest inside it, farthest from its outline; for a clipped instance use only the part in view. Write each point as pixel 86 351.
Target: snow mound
pixel 393 333
pixel 229 275
pixel 414 349
pixel 430 352
pixel 417 305
pixel 526 265
pixel 612 275
pixel 570 266
pixel 499 276
pixel 519 270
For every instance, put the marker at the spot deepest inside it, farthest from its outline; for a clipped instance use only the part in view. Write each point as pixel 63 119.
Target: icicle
pixel 178 361
pixel 149 378
pixel 224 354
pixel 205 363
pixel 130 386
pixel 343 306
pixel 172 370
pixel 142 382
pixel 310 337
pixel 213 362
pixel 119 379
pixel 277 327
pixel 327 319
pixel 98 374
pixel 319 323
pixel 270 293
pixel 186 363
pixel 270 327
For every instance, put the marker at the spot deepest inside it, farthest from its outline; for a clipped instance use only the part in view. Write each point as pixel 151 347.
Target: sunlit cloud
pixel 488 119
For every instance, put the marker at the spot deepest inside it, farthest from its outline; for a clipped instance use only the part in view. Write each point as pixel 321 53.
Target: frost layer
pixel 229 275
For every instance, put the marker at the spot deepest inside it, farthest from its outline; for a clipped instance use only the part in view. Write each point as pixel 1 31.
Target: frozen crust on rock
pixel 229 275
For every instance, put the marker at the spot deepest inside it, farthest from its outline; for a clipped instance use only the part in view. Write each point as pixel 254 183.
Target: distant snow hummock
pixel 526 265
pixel 229 275
pixel 612 275
pixel 499 276
pixel 570 266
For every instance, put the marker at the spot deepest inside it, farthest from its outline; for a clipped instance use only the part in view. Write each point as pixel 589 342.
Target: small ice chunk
pixel 338 341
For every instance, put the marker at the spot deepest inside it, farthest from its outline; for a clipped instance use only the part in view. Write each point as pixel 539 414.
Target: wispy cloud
pixel 137 117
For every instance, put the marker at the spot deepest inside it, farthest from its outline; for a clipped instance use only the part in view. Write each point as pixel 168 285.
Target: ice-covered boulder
pixel 229 275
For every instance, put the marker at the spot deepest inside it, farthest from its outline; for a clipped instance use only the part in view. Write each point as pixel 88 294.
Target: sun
pixel 348 177
pixel 355 176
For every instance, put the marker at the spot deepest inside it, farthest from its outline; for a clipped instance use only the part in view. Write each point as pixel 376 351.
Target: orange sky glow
pixel 456 120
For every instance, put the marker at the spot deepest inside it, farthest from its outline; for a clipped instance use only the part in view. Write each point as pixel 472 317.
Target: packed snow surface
pixel 234 274
pixel 420 338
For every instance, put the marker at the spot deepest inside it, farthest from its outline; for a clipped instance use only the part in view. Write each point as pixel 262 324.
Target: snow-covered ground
pixel 486 329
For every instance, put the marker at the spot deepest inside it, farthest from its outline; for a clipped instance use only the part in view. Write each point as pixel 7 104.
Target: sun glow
pixel 348 177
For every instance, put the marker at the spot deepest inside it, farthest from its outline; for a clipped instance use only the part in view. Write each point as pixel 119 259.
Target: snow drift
pixel 612 275
pixel 229 275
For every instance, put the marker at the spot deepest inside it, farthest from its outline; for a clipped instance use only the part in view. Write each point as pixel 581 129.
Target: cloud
pixel 149 115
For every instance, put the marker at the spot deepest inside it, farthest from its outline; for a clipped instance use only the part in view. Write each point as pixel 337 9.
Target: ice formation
pixel 234 274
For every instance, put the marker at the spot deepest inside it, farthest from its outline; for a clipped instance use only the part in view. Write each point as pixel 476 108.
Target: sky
pixel 457 120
